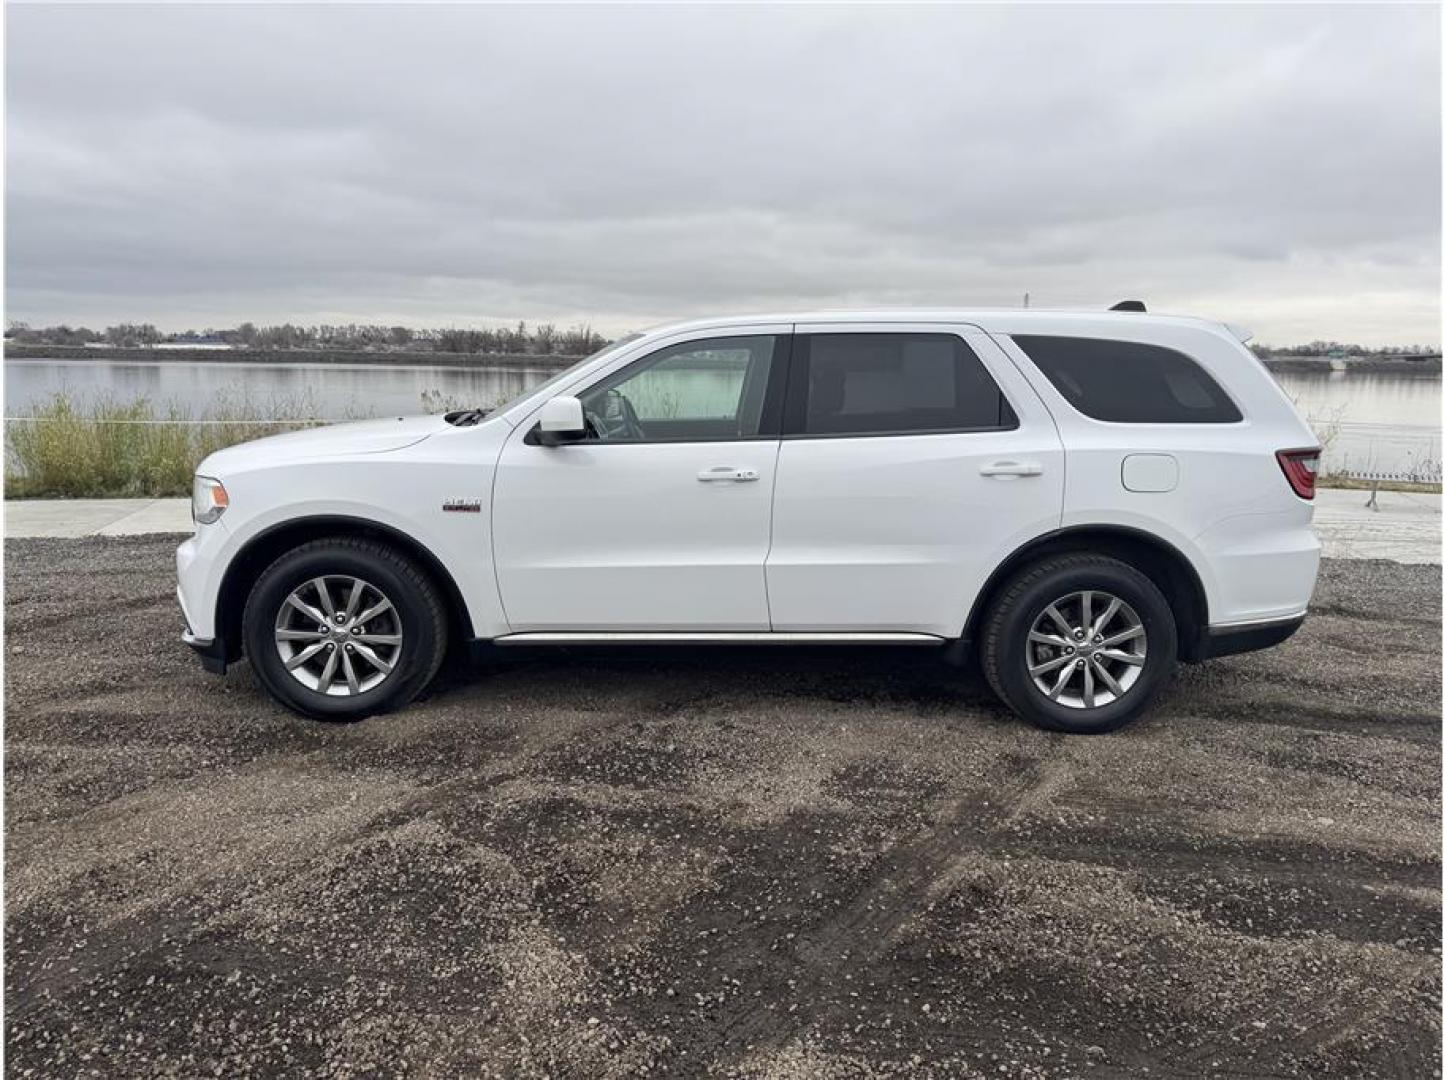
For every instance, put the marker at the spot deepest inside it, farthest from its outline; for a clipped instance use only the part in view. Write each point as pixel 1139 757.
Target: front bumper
pixel 212 651
pixel 199 563
pixel 1247 637
pixel 196 583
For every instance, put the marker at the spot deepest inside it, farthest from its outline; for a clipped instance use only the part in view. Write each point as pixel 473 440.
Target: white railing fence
pixel 303 422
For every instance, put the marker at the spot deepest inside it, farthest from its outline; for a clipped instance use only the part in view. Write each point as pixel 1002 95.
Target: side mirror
pixel 561 421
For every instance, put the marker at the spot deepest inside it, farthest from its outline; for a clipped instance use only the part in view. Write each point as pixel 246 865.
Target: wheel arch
pixel 1163 563
pixel 271 543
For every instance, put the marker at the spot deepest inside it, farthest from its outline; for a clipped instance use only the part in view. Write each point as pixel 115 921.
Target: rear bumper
pixel 1262 567
pixel 1247 637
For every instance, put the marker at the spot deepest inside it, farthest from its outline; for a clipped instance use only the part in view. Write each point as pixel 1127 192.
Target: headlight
pixel 208 500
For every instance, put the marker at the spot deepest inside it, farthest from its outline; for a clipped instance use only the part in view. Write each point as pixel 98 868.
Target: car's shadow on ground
pixel 921 677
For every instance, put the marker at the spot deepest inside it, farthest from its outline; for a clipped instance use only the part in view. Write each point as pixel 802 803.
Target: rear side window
pixel 891 384
pixel 1127 382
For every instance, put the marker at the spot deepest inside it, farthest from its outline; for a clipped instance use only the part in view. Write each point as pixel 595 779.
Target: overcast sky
pixel 201 165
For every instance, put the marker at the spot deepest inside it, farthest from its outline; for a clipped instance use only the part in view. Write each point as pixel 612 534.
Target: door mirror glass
pixel 561 421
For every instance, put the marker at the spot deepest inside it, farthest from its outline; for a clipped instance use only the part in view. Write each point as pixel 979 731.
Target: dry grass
pixel 110 448
pixel 1418 487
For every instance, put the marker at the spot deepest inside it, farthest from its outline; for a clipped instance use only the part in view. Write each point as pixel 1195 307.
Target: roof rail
pixel 1128 305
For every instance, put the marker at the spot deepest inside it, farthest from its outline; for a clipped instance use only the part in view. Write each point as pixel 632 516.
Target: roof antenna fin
pixel 1128 305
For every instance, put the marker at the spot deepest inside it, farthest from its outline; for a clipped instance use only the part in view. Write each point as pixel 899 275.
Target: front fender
pixel 396 496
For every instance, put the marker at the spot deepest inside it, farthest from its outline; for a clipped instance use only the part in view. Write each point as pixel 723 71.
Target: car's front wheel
pixel 1079 643
pixel 342 628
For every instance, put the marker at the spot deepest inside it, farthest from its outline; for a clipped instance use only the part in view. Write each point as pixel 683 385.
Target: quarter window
pixel 892 384
pixel 1127 382
pixel 697 391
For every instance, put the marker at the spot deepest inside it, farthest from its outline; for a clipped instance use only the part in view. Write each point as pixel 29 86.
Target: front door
pixel 659 519
pixel 914 459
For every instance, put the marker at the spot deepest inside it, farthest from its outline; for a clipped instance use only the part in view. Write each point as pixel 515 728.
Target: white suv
pixel 1077 499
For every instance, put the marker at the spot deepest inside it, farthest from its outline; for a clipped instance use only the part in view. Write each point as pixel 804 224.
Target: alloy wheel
pixel 1086 649
pixel 338 635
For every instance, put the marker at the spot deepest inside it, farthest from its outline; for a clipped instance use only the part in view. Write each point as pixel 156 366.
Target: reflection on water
pixel 1386 422
pixel 1370 422
pixel 335 391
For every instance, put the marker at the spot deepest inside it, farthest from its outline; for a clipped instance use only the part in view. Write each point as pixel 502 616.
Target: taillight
pixel 1301 467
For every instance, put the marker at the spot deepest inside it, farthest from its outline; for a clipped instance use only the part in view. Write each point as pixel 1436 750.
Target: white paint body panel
pixel 621 536
pixel 884 534
pixel 625 537
pixel 399 489
pixel 900 532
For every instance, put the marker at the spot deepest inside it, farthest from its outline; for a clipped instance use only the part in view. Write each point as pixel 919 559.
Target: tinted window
pixel 892 384
pixel 1129 383
pixel 699 390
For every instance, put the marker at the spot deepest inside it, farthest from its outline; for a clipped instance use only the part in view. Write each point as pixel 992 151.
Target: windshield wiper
pixel 465 417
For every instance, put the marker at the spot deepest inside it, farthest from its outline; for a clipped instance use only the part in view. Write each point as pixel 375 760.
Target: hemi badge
pixel 462 506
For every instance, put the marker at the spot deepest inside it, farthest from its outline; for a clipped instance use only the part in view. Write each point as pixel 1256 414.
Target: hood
pixel 333 440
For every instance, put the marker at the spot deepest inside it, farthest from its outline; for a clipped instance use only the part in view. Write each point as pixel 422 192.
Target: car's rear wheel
pixel 1079 643
pixel 341 628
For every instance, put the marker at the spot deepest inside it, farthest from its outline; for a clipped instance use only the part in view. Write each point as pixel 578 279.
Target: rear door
pixel 914 458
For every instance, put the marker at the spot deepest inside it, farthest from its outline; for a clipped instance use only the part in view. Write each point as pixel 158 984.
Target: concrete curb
pixel 95 517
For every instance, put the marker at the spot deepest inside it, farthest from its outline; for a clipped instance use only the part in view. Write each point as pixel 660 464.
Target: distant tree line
pixel 1335 348
pixel 543 339
pixel 127 334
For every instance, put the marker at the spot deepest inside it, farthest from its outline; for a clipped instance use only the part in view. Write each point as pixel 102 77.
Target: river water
pixel 1368 421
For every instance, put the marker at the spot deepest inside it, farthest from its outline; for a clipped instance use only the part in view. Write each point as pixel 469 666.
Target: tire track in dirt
pixel 1338 1020
pixel 109 607
pixel 914 873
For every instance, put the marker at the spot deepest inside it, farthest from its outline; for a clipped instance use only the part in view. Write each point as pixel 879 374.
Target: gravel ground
pixel 758 863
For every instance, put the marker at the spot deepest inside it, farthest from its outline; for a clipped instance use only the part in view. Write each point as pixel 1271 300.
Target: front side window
pixel 892 384
pixel 1127 382
pixel 697 391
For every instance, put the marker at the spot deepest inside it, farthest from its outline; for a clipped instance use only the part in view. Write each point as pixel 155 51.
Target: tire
pixel 1138 665
pixel 404 631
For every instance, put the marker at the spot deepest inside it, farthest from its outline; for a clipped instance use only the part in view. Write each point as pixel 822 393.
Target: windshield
pixel 566 371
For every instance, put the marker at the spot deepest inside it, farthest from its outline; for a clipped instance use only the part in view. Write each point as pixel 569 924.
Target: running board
pixel 725 637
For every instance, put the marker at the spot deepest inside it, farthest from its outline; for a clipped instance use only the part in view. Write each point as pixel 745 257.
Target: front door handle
pixel 1012 468
pixel 726 472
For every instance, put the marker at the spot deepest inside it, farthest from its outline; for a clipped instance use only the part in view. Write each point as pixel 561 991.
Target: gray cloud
pixel 451 165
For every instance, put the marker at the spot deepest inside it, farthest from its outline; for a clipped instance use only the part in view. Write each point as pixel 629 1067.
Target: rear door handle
pixel 726 472
pixel 1012 468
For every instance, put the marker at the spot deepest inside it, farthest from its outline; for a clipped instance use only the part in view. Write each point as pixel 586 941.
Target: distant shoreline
pixel 508 361
pixel 1303 365
pixel 1368 365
